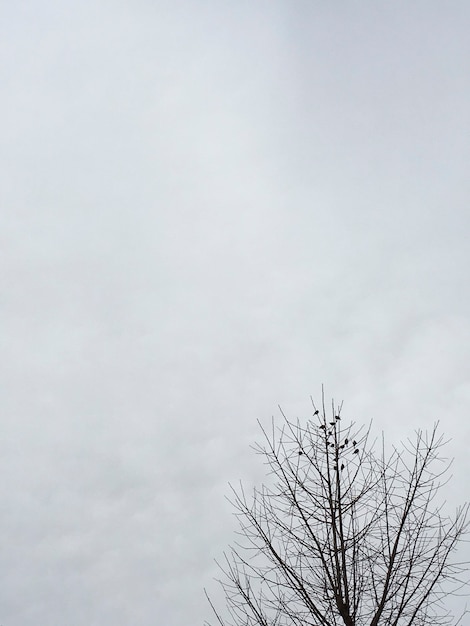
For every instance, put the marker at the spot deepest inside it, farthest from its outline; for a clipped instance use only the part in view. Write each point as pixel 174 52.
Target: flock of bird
pixel 333 445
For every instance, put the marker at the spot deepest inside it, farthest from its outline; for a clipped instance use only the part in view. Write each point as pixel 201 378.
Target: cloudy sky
pixel 209 209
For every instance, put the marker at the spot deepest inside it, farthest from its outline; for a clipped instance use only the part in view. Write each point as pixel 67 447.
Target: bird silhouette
pixel 342 466
pixel 316 412
pixel 323 426
pixel 356 451
pixel 346 442
pixel 354 442
pixel 337 417
pixel 300 452
pixel 332 423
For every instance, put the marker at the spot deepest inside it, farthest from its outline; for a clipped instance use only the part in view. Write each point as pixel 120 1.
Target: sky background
pixel 209 209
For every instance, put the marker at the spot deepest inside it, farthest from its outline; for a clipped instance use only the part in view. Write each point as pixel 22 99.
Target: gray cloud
pixel 206 212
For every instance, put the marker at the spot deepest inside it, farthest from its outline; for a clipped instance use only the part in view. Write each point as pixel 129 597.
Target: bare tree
pixel 345 532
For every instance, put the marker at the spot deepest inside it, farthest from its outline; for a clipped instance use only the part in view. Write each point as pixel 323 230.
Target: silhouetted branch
pixel 342 534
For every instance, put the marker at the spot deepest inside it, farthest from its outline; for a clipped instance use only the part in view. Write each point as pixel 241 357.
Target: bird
pixel 337 417
pixel 354 442
pixel 332 423
pixel 316 412
pixel 300 452
pixel 342 466
pixel 356 451
pixel 346 442
pixel 323 426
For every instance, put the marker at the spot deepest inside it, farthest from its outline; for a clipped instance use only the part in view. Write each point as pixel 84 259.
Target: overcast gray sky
pixel 208 209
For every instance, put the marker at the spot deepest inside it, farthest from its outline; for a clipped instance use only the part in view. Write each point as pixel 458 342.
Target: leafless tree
pixel 346 531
